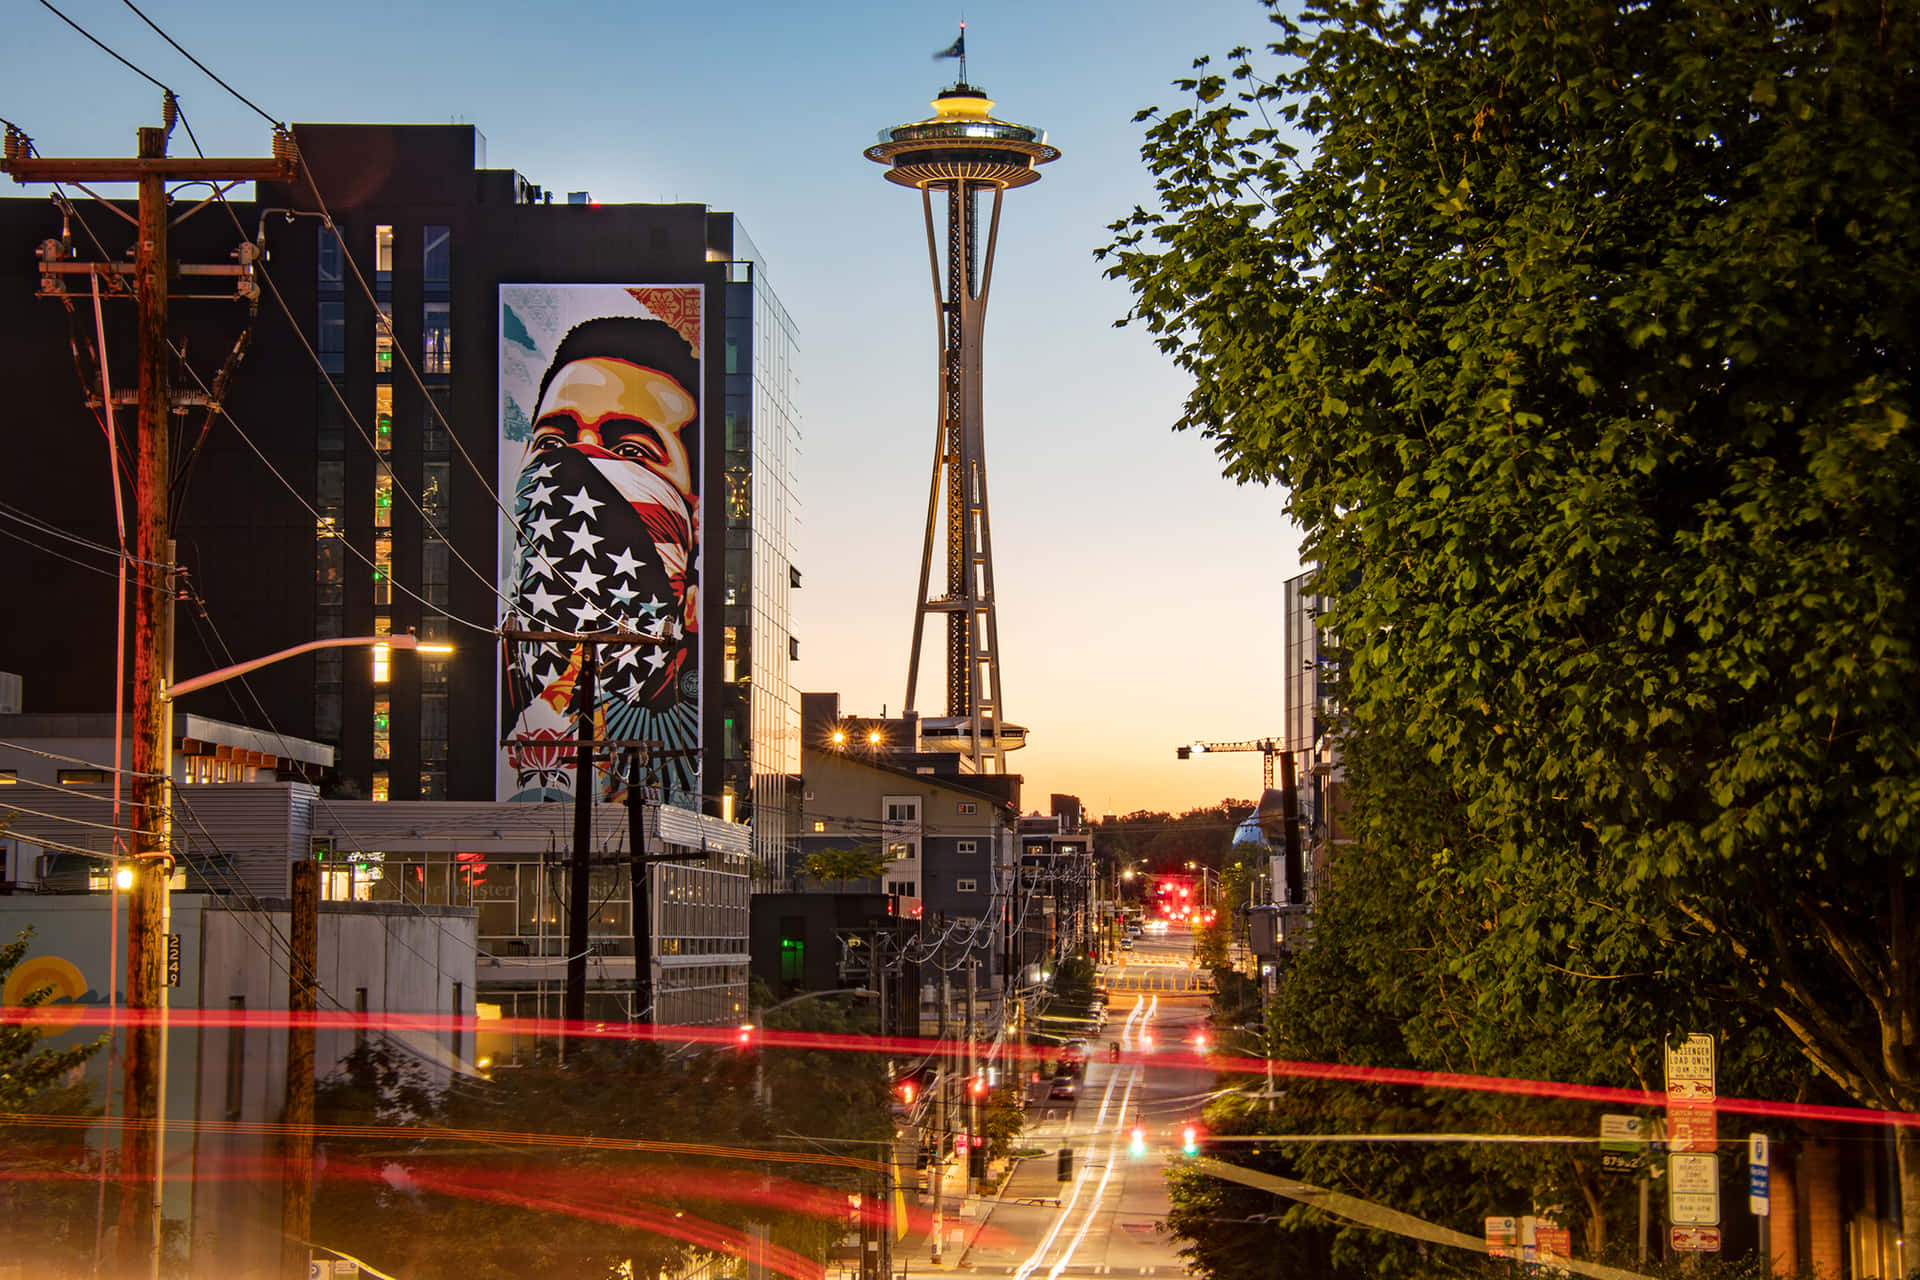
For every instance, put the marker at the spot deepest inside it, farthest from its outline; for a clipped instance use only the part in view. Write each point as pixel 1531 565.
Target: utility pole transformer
pixel 143 1067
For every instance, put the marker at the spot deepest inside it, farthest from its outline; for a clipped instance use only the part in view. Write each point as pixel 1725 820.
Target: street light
pixel 180 688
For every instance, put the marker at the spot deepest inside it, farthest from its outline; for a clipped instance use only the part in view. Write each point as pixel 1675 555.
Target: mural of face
pixel 610 408
pixel 607 508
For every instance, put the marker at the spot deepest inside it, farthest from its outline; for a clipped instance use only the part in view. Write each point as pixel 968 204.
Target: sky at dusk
pixel 1138 591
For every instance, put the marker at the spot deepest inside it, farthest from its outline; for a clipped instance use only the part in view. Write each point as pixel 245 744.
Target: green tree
pixel 477 1180
pixel 858 862
pixel 1581 336
pixel 48 1173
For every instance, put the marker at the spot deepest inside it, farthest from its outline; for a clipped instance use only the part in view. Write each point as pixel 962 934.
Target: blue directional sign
pixel 1758 1198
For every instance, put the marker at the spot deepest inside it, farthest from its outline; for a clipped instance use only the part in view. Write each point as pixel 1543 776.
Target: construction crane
pixel 1267 747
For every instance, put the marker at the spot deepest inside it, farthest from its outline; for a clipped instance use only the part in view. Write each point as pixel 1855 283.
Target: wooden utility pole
pixel 640 888
pixel 144 1067
pixel 580 880
pixel 303 959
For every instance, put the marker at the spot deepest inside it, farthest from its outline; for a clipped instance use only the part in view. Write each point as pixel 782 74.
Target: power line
pixel 104 49
pixel 485 628
pixel 196 62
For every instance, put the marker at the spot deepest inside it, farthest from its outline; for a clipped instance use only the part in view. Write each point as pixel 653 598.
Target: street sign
pixel 1622 1143
pixel 1692 1126
pixel 1552 1244
pixel 1693 1189
pixel 1694 1239
pixel 1759 1199
pixel 1503 1236
pixel 1690 1069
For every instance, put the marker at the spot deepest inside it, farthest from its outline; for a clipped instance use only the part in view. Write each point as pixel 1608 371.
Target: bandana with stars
pixel 606 544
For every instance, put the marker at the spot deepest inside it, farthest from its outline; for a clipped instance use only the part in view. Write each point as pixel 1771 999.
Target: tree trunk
pixel 1594 1194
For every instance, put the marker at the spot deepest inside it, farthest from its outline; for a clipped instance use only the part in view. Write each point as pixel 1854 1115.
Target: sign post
pixel 1693 1168
pixel 1760 1197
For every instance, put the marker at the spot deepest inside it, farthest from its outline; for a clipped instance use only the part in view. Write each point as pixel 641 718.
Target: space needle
pixel 962 154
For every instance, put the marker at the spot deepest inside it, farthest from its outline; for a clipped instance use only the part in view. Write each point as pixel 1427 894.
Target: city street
pixel 1106 1219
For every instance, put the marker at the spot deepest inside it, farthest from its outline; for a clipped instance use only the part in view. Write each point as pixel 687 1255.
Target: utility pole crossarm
pixel 27 169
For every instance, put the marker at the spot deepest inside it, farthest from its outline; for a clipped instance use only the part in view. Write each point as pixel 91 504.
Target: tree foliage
pixel 1581 337
pixel 48 1175
pixel 857 862
pixel 471 1199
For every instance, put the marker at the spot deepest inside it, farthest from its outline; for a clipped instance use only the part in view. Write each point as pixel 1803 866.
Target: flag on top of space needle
pixel 958 49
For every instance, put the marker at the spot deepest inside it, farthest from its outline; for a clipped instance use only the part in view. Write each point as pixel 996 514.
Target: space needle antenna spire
pixel 969 159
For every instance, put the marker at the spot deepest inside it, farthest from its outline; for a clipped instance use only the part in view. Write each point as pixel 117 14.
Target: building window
pixel 330 335
pixel 383 417
pixel 382 496
pixel 382 572
pixel 359 1017
pixel 966 846
pixel 8 777
pixel 966 886
pixel 327 256
pixel 459 1045
pixel 383 337
pixel 436 339
pixel 382 728
pixel 81 777
pixel 966 806
pixel 900 888
pixel 436 255
pixel 819 826
pixel 902 812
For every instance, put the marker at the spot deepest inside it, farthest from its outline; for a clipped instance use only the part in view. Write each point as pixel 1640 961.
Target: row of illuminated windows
pixel 698 909
pixel 436 318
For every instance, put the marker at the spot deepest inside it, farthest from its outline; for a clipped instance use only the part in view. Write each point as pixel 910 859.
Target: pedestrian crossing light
pixel 1189 1140
pixel 1138 1145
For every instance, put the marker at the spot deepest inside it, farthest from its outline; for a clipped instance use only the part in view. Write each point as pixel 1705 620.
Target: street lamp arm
pixel 181 687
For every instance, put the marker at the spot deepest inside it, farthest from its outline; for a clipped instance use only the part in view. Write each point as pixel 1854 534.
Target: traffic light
pixel 907 1091
pixel 1200 1041
pixel 1137 1145
pixel 976 1087
pixel 744 1036
pixel 1189 1140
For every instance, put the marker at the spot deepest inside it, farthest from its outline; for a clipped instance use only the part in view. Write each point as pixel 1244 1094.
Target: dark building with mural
pixel 375 467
